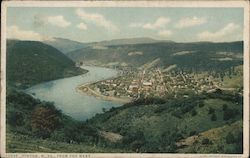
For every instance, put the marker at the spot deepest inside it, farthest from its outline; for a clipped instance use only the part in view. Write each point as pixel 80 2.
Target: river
pixel 65 97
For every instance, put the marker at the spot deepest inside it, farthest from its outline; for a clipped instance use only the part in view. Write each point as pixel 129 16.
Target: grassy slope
pixel 218 138
pixel 30 62
pixel 235 81
pixel 202 121
pixel 146 119
pixel 155 124
pixel 25 144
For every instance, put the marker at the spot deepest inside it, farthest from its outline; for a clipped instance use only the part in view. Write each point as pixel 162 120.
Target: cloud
pixel 160 22
pixel 189 22
pixel 58 21
pixel 135 24
pixel 14 32
pixel 97 19
pixel 219 35
pixel 82 26
pixel 165 33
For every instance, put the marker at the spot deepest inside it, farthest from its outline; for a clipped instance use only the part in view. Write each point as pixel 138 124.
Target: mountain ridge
pixel 203 53
pixel 64 45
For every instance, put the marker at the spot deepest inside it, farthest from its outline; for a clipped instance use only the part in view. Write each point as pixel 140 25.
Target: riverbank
pixel 85 89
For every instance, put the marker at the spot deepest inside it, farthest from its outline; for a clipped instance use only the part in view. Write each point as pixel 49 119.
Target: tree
pixel 104 110
pixel 177 113
pixel 201 104
pixel 194 112
pixel 135 140
pixel 224 107
pixel 15 118
pixel 205 141
pixel 230 114
pixel 213 117
pixel 211 110
pixel 230 138
pixel 45 119
pixel 192 133
pixel 239 142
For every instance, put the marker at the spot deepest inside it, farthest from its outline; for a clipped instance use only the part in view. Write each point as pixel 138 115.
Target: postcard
pixel 124 79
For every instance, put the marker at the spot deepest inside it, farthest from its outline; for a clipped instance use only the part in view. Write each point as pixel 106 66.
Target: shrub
pixel 160 109
pixel 230 138
pixel 192 133
pixel 15 118
pixel 206 141
pixel 211 110
pixel 213 117
pixel 179 136
pixel 136 145
pixel 177 114
pixel 230 114
pixel 239 142
pixel 194 112
pixel 58 136
pixel 201 104
pixel 224 107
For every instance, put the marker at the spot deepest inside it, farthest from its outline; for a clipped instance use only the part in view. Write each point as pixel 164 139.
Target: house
pixel 147 84
pixel 133 88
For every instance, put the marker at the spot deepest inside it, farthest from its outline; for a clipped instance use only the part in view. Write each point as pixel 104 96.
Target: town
pixel 132 84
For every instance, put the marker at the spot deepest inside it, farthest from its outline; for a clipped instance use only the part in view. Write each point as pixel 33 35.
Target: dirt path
pixel 113 137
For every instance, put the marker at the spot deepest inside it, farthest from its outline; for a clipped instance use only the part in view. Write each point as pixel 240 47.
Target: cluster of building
pixel 143 83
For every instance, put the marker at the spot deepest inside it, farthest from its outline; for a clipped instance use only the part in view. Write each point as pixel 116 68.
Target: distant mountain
pixel 65 45
pixel 197 55
pixel 126 41
pixel 30 62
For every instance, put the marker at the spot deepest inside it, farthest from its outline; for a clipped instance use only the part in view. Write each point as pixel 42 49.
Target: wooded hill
pixel 32 62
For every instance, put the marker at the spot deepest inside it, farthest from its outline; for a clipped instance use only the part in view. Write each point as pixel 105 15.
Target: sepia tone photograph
pixel 125 78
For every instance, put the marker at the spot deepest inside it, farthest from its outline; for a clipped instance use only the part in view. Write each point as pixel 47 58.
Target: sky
pixel 98 24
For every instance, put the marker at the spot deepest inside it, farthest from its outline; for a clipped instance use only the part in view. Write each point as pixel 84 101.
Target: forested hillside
pixel 192 56
pixel 31 62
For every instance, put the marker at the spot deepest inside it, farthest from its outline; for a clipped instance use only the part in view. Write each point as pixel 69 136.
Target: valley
pixel 126 95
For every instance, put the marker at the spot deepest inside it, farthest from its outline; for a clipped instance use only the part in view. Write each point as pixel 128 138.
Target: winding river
pixel 65 97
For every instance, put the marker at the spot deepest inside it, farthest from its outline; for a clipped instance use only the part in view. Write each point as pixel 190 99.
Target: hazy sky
pixel 96 24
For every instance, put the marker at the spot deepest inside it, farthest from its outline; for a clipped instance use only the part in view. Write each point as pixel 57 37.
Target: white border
pixel 3 79
pixel 246 87
pixel 151 3
pixel 230 4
